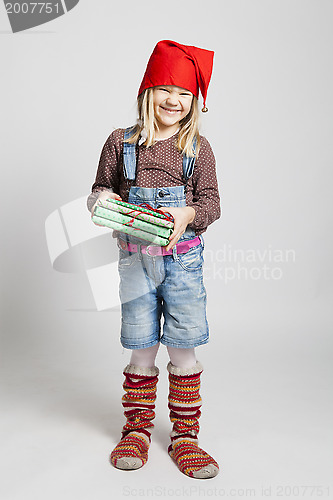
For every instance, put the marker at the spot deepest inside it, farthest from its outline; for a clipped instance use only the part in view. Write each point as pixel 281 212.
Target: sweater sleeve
pixel 107 176
pixel 206 198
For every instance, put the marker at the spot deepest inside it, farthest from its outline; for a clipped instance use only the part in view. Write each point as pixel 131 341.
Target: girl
pixel 163 161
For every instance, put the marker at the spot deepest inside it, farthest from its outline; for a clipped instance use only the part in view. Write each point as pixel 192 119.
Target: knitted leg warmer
pixel 184 405
pixel 139 404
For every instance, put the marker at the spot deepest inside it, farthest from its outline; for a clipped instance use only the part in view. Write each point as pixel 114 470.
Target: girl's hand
pixel 182 217
pixel 103 196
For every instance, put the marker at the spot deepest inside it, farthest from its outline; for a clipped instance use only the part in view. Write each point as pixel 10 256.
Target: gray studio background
pixel 267 404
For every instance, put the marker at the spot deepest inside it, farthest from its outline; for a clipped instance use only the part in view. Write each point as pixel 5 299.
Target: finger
pixel 177 231
pixel 174 236
pixel 173 241
pixel 169 247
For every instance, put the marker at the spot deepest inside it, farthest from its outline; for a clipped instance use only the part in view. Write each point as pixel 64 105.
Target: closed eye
pixel 188 94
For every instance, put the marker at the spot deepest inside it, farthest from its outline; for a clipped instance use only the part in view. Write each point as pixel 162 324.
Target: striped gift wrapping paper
pixel 137 211
pixel 139 233
pixel 128 220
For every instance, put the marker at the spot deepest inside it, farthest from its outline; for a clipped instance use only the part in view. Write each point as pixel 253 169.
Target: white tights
pixel 183 358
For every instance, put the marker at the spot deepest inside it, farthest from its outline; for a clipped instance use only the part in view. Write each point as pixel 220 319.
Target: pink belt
pixel 154 250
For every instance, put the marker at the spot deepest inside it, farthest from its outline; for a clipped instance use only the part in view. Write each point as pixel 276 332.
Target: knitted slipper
pixel 192 460
pixel 130 453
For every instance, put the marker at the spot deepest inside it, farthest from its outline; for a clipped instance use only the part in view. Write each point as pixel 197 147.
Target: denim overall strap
pixel 129 156
pixel 130 159
pixel 188 162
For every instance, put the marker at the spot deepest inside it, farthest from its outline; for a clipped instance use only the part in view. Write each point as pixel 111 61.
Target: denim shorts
pixel 167 287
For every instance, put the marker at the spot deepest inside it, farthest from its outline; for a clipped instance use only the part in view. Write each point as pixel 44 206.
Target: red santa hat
pixel 185 66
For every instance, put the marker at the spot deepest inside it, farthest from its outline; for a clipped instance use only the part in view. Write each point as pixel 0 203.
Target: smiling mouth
pixel 171 111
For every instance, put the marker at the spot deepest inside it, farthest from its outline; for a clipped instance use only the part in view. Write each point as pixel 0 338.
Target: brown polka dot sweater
pixel 161 165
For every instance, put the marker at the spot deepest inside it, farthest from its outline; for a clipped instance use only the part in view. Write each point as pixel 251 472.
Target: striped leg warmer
pixel 184 405
pixel 139 404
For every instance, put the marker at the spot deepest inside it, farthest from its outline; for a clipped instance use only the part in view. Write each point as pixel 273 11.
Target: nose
pixel 172 99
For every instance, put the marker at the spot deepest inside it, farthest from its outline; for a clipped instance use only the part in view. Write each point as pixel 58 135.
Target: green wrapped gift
pixel 138 211
pixel 135 220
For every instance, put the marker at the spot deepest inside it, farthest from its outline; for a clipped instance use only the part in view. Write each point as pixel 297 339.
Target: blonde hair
pixel 189 126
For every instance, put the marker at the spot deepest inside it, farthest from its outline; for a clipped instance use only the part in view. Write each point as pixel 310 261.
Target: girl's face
pixel 171 105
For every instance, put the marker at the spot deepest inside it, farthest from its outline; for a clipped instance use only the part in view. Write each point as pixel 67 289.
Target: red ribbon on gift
pixel 167 215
